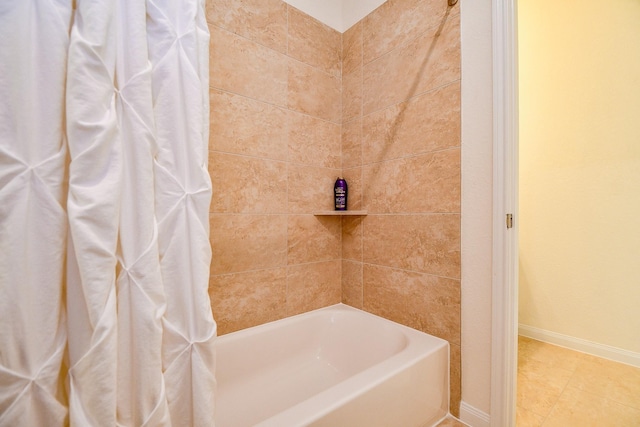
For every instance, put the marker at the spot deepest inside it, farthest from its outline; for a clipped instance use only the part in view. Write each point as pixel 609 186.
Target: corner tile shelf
pixel 340 213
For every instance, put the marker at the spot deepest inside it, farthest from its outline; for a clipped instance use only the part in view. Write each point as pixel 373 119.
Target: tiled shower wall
pixel 275 77
pixel 293 105
pixel 401 148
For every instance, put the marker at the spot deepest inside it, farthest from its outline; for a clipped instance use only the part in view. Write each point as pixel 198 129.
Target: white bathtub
pixel 337 366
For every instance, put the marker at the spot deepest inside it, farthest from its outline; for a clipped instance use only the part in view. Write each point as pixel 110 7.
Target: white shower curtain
pixel 104 195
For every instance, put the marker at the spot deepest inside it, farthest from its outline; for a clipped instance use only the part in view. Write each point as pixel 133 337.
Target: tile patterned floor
pixel 564 388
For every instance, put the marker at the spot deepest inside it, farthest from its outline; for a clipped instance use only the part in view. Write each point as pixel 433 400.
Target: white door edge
pixel 505 200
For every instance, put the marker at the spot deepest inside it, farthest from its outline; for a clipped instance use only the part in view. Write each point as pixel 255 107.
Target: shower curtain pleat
pixel 93 207
pixel 141 396
pixel 104 197
pixel 33 221
pixel 178 48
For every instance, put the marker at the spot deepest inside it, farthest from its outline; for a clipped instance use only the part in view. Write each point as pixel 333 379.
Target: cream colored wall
pixel 580 169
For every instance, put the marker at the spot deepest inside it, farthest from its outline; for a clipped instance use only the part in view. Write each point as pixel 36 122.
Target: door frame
pixel 504 328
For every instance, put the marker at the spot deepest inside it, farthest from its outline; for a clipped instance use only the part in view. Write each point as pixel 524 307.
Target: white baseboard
pixel 474 417
pixel 578 344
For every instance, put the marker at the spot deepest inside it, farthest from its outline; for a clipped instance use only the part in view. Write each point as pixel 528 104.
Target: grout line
pixel 246 214
pixel 256 157
pixel 361 163
pixel 371 214
pixel 256 270
pixel 288 214
pixel 411 156
pixel 259 43
pixel 411 271
pixel 413 96
pixel 281 107
pixel 277 267
pixel 555 404
pixel 307 213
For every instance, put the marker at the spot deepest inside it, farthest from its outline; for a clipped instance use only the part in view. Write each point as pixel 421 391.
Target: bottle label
pixel 340 193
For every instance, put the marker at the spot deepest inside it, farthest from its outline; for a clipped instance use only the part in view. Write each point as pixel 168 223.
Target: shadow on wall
pixel 391 135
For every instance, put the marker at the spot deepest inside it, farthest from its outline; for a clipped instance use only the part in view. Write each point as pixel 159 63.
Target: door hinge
pixel 509 220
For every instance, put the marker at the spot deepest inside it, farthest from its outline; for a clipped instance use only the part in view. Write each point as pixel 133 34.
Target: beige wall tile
pixel 352 238
pixel 399 21
pixel 425 243
pixel 425 183
pixel 352 283
pixel 242 300
pixel 352 144
pixel 313 238
pixel 426 123
pixel 430 61
pixel 428 303
pixel 314 141
pixel 241 66
pixel 455 379
pixel 311 189
pixel 314 43
pixel 247 242
pixel 242 125
pixel 352 49
pixel 352 95
pixel 262 21
pixel 314 92
pixel 247 184
pixel 312 286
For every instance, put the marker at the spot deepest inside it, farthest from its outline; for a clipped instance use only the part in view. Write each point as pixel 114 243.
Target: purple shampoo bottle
pixel 340 192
